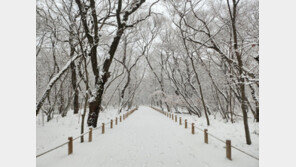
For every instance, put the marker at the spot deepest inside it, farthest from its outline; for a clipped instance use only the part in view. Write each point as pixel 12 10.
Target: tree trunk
pixel 241 79
pixel 95 102
pixel 74 85
pixel 200 91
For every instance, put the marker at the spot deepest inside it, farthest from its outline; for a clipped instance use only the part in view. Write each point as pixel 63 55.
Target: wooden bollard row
pixel 90 133
pixel 129 113
pixel 206 137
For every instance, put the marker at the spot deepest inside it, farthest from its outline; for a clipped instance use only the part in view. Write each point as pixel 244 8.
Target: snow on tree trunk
pixel 52 82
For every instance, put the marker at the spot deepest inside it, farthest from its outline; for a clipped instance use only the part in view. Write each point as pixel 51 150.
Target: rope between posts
pixel 61 145
pixel 52 149
pixel 252 156
pixel 65 143
pixel 97 127
pixel 81 135
pixel 245 152
pixel 216 138
pixel 231 145
pixel 74 138
pixel 198 128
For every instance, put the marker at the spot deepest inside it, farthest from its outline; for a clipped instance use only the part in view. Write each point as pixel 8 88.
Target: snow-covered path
pixel 145 139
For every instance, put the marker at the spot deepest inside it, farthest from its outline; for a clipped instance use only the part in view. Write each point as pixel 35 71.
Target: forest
pixel 198 58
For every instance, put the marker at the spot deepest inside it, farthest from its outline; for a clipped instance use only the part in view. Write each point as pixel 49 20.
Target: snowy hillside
pixel 60 128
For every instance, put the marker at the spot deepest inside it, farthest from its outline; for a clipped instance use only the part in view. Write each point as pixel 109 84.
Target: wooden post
pixel 206 136
pixel 180 121
pixel 120 119
pixel 90 135
pixel 111 124
pixel 228 149
pixel 173 117
pixel 116 121
pixel 103 128
pixel 70 145
pixel 192 129
pixel 185 123
pixel 176 118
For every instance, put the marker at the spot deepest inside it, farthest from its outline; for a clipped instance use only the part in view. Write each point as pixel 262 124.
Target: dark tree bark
pixel 74 78
pixel 241 79
pixel 52 82
pixel 96 100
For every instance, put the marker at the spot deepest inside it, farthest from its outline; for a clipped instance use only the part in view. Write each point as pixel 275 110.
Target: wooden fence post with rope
pixel 70 145
pixel 206 136
pixel 228 149
pixel 90 135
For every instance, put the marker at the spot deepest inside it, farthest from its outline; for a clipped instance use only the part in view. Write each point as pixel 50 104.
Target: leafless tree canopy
pixel 201 56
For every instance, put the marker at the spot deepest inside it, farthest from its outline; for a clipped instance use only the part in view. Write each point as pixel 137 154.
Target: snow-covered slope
pixel 227 130
pixel 60 128
pixel 146 138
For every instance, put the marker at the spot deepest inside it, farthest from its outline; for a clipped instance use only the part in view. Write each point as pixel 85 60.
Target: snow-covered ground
pixel 227 130
pixel 57 131
pixel 146 138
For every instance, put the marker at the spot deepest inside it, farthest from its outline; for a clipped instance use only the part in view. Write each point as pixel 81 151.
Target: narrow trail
pixel 145 139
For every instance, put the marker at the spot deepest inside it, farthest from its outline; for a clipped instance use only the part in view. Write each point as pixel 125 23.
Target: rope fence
pixel 206 134
pixel 70 139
